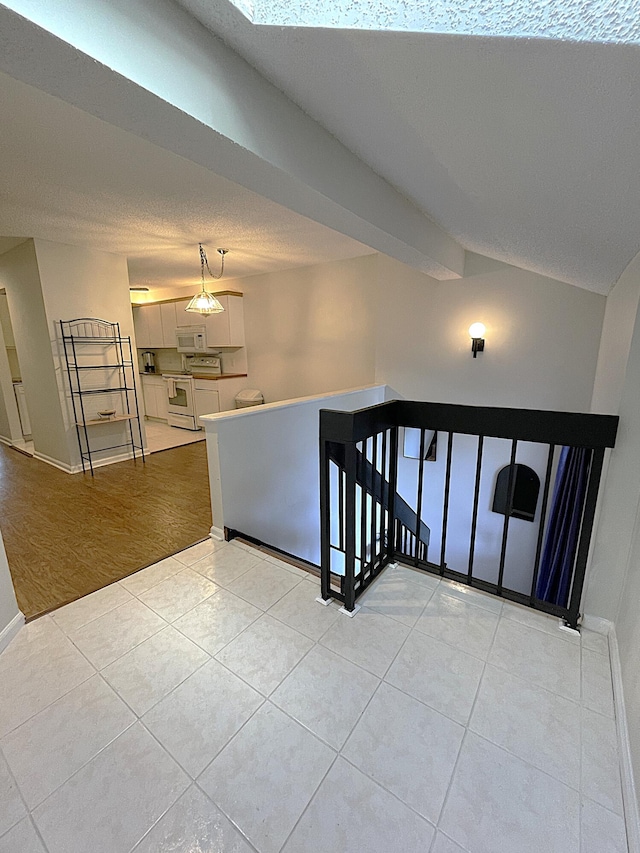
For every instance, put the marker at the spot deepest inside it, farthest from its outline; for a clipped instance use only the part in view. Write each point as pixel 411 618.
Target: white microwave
pixel 191 339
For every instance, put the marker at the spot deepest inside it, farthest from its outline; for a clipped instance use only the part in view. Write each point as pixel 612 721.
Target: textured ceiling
pixel 69 177
pixel 579 20
pixel 523 150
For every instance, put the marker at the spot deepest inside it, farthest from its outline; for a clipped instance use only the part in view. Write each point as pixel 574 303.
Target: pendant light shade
pixel 204 302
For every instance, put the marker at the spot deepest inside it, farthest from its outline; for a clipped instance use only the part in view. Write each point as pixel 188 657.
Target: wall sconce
pixel 476 331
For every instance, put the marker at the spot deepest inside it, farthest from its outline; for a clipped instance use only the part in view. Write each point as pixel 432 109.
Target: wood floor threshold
pixel 284 558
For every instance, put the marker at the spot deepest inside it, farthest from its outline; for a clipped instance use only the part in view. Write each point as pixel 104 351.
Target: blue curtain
pixel 558 556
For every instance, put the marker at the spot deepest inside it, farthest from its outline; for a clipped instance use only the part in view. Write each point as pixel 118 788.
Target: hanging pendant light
pixel 205 302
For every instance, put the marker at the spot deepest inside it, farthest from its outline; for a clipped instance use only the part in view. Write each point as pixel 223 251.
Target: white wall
pixel 617 386
pixel 10 617
pixel 10 427
pixel 264 470
pixel 613 583
pixel 541 342
pixel 20 276
pixel 310 330
pixel 78 282
pixel 615 343
pixel 522 542
pixel 47 282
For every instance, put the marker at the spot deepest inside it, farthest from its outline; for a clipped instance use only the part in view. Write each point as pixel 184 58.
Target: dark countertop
pixel 179 373
pixel 219 376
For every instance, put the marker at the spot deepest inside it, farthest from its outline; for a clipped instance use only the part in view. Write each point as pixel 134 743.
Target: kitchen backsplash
pixel 167 360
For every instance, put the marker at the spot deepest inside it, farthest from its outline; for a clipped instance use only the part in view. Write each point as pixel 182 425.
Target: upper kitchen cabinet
pixel 141 327
pixel 182 318
pixel 169 323
pixel 227 328
pixel 147 323
pixel 156 323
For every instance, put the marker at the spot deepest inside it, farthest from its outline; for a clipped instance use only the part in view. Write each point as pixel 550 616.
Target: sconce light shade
pixel 476 332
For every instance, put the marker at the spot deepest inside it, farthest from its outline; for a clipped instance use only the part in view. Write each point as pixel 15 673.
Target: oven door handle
pixel 171 388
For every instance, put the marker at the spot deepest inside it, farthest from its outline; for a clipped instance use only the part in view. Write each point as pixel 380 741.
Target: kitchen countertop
pixel 179 373
pixel 219 376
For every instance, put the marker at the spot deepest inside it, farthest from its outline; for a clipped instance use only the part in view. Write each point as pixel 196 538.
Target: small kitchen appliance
pixel 191 339
pixel 149 361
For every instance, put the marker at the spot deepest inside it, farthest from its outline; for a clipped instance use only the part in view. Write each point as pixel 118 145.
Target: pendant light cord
pixel 204 262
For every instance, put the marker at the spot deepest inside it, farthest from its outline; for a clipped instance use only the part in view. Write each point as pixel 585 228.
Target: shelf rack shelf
pixel 92 346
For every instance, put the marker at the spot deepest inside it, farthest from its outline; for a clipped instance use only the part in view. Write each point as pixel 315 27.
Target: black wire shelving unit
pixel 100 365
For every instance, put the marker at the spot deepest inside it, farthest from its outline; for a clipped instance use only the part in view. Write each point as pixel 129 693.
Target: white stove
pixel 206 365
pixel 181 409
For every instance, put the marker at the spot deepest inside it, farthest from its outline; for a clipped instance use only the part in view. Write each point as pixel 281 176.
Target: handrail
pixel 374 528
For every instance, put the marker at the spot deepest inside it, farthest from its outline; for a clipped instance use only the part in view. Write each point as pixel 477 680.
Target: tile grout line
pixel 95 755
pixel 311 799
pixel 316 644
pixel 62 695
pixel 29 815
pixel 232 822
pixel 466 726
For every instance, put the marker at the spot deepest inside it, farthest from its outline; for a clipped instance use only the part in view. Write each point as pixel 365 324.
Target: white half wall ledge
pixel 149 68
pixel 252 411
pixel 264 472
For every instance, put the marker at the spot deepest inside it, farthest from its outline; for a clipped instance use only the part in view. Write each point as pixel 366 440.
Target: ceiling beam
pixel 148 67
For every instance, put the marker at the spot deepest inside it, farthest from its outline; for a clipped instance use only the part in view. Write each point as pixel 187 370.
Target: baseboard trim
pixel 631 813
pixel 8 633
pixel 68 469
pixel 217 533
pixel 77 469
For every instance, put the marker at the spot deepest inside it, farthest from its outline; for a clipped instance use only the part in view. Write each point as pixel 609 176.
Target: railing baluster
pixel 474 519
pixel 325 522
pixel 341 509
pixel 419 496
pixel 393 480
pixel 445 511
pixel 350 520
pixel 543 518
pixel 588 516
pixel 373 500
pixel 507 515
pixel 384 523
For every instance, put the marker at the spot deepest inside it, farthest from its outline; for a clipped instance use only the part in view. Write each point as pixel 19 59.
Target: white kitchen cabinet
pixel 227 328
pixel 156 323
pixel 154 326
pixel 155 396
pixel 182 318
pixel 206 398
pixel 169 324
pixel 141 327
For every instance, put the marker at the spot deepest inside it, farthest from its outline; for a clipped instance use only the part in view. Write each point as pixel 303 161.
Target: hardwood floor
pixel 67 535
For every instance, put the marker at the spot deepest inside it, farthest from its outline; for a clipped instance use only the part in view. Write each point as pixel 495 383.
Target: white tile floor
pixel 210 704
pixel 161 436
